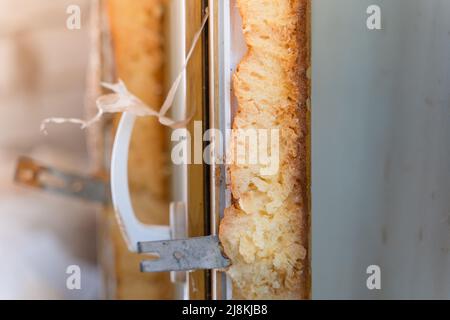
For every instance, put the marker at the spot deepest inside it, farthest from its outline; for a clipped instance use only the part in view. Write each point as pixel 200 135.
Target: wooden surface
pixel 149 164
pixel 137 37
pixel 195 171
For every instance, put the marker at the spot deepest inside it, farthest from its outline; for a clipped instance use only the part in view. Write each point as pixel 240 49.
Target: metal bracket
pixel 30 173
pixel 184 255
pixel 178 230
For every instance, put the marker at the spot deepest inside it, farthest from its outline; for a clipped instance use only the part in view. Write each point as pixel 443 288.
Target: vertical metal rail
pixel 219 119
pixel 176 39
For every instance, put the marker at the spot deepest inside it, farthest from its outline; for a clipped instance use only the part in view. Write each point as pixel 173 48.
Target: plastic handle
pixel 132 229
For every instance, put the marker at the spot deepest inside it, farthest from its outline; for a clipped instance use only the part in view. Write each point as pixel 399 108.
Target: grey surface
pixel 381 149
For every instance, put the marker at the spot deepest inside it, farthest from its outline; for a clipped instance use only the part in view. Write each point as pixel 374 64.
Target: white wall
pixel 381 149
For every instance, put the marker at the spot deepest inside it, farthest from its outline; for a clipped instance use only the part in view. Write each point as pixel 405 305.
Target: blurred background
pixel 43 74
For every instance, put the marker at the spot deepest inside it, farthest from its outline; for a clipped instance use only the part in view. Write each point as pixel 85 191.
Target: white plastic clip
pixel 133 230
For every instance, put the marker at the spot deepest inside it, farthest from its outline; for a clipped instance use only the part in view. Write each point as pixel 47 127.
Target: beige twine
pixel 121 100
